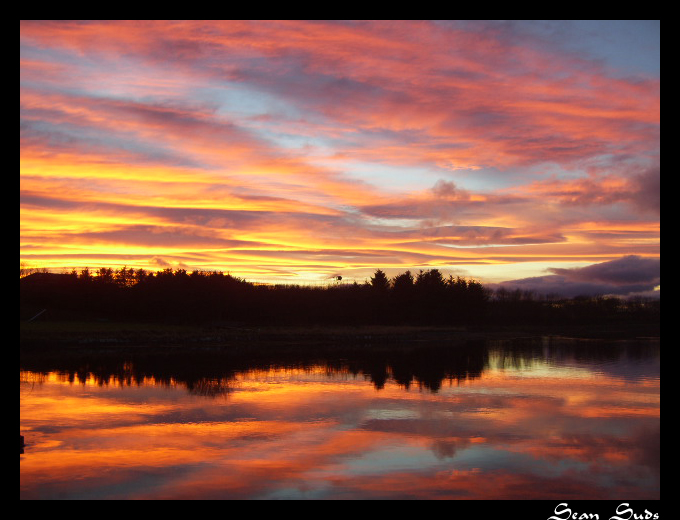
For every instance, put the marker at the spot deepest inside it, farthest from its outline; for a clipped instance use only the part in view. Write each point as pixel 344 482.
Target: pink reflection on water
pixel 537 431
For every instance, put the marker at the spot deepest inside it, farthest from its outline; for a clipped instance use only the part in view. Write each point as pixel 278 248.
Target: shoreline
pixel 51 335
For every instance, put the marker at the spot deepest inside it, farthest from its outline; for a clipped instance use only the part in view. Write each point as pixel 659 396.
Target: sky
pixel 511 152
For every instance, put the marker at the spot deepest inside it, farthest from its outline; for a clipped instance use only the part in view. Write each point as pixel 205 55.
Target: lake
pixel 539 419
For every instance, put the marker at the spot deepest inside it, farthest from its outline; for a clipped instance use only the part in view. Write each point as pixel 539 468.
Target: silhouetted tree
pixel 24 270
pixel 403 283
pixel 105 275
pixel 430 297
pixel 430 280
pixel 209 296
pixel 140 275
pixel 125 277
pixel 379 282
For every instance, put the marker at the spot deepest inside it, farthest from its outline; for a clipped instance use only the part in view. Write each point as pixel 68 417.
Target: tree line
pixel 423 298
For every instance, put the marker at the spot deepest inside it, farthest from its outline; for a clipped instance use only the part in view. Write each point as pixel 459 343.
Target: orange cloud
pixel 219 136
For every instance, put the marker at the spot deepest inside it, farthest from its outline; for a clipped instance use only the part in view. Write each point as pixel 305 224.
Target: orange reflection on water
pixel 531 432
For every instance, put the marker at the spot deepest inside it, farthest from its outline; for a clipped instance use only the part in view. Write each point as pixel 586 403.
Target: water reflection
pixel 524 420
pixel 209 371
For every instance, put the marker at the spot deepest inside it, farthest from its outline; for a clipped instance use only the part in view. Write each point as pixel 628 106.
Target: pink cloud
pixel 452 86
pixel 169 121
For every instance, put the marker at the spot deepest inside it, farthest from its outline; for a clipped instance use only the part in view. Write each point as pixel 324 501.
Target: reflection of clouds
pixel 633 370
pixel 647 448
pixel 305 433
pixel 634 361
pixel 447 448
pixel 623 366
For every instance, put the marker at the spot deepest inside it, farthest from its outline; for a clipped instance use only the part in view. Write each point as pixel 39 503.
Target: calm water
pixel 539 420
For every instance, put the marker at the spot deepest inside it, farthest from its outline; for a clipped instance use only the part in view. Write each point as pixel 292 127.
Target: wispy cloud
pixel 433 143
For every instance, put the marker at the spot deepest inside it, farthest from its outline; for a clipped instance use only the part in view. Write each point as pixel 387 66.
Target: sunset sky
pixel 297 151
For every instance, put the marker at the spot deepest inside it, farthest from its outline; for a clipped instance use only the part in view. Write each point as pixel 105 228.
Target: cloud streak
pixel 430 144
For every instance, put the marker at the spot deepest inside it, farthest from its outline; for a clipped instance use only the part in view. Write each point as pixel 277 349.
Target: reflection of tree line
pixel 212 372
pixel 425 298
